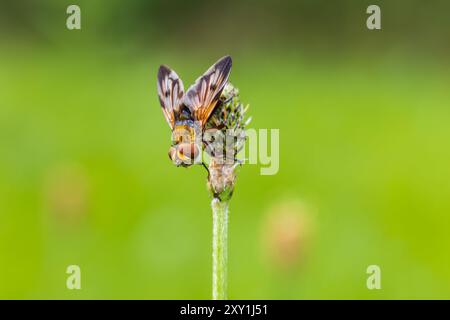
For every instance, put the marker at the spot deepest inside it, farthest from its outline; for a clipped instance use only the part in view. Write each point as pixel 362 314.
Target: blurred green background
pixel 364 150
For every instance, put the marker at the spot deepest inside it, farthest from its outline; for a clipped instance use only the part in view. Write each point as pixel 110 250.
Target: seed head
pixel 227 124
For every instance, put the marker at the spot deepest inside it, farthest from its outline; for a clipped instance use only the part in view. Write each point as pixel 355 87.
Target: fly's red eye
pixel 187 150
pixel 184 149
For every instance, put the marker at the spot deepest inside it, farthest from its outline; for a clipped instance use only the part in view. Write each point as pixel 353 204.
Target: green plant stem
pixel 219 252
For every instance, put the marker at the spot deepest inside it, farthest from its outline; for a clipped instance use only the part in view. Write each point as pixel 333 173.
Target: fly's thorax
pixel 183 133
pixel 186 144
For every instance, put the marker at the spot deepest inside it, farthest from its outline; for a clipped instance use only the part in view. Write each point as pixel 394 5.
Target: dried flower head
pixel 226 128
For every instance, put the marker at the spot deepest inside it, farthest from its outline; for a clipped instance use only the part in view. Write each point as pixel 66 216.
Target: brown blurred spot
pixel 66 192
pixel 287 233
